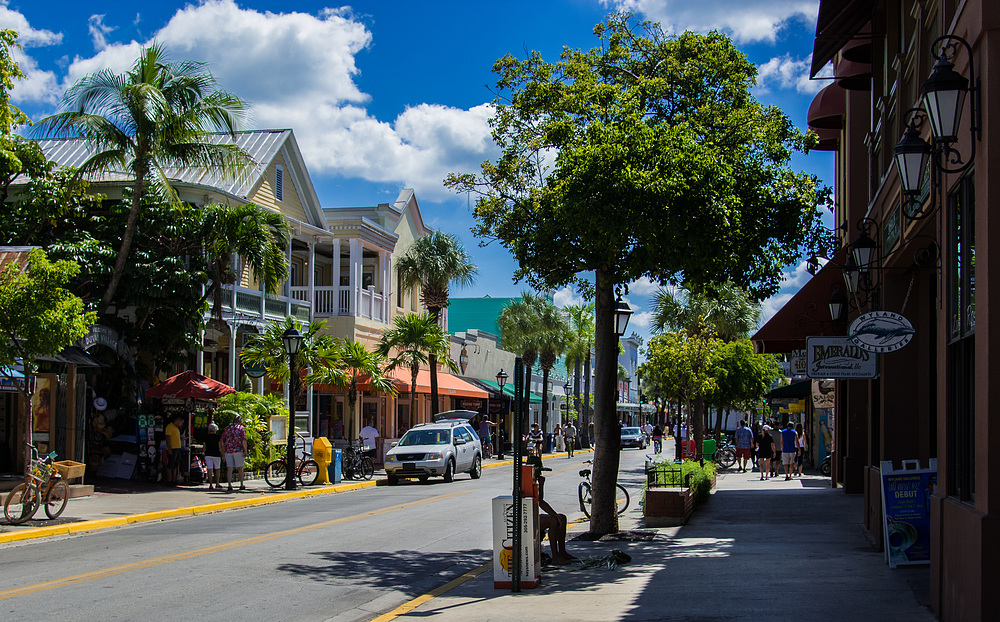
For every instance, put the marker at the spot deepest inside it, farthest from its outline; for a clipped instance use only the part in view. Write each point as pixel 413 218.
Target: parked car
pixel 633 437
pixel 443 448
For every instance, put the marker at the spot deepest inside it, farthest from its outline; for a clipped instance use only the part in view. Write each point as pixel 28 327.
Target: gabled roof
pixel 263 146
pixel 14 254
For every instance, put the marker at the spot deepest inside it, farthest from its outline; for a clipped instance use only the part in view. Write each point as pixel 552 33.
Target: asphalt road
pixel 343 557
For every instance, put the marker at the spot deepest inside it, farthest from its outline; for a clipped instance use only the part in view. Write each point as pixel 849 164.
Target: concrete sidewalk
pixel 757 550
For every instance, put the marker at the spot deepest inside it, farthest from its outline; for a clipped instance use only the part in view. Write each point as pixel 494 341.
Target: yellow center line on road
pixel 438 591
pixel 166 559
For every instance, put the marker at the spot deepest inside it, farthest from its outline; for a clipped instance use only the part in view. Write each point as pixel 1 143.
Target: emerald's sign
pixel 837 357
pixel 880 332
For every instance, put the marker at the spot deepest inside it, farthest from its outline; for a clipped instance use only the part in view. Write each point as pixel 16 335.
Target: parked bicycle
pixel 306 468
pixel 725 454
pixel 357 463
pixel 43 486
pixel 586 498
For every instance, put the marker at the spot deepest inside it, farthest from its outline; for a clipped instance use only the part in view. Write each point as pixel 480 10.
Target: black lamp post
pixel 622 314
pixel 292 340
pixel 837 303
pixel 501 381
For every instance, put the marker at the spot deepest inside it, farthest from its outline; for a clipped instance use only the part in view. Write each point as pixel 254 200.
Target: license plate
pixel 409 466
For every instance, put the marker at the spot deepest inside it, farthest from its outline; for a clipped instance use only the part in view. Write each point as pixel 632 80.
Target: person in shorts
pixel 172 432
pixel 789 449
pixel 484 435
pixel 234 443
pixel 569 437
pixel 213 456
pixel 744 445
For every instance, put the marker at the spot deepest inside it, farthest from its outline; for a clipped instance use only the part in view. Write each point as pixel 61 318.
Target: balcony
pixel 332 300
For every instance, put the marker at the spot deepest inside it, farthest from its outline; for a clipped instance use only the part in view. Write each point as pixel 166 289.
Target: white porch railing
pixel 334 300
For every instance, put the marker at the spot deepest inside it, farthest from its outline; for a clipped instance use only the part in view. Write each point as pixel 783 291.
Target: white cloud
pixel 642 319
pixel 298 70
pixel 566 297
pixel 772 305
pixel 38 85
pixel 796 278
pixel 745 20
pixel 98 31
pixel 644 286
pixel 785 72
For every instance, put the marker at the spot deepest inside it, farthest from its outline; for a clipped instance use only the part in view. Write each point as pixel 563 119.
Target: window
pixel 399 295
pixel 279 183
pixel 961 414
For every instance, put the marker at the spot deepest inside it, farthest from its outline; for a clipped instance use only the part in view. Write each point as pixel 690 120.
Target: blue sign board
pixel 906 512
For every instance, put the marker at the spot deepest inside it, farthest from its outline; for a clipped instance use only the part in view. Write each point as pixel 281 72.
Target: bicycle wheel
pixel 367 468
pixel 56 498
pixel 274 473
pixel 20 504
pixel 308 472
pixel 586 499
pixel 621 505
pixel 727 457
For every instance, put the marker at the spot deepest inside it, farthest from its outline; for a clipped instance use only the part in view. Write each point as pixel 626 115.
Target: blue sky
pixel 385 94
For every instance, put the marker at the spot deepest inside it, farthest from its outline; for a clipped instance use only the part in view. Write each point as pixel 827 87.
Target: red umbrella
pixel 190 384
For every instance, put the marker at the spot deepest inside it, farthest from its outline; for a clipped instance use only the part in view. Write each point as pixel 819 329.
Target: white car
pixel 445 447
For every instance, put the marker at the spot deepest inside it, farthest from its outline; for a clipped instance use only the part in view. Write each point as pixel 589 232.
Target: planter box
pixel 70 469
pixel 668 507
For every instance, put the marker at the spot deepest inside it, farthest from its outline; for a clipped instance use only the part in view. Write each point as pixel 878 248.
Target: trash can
pixel 549 443
pixel 323 455
pixel 708 449
pixel 334 470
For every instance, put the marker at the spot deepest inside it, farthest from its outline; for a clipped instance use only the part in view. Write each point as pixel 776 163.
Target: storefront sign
pixel 798 362
pixel 880 331
pixel 471 404
pixel 906 497
pixel 837 357
pixel 823 393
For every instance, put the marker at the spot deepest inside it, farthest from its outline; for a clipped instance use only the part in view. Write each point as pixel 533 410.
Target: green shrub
pixel 256 411
pixel 689 473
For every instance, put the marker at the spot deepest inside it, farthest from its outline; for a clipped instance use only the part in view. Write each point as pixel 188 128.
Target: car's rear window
pixel 425 437
pixel 630 431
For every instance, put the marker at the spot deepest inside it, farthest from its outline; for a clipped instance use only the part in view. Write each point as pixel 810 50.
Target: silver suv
pixel 447 446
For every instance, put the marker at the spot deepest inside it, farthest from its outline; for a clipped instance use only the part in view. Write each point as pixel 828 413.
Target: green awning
pixel 508 389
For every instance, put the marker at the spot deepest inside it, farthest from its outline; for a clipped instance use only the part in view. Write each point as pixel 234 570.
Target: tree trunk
pixel 576 397
pixel 699 423
pixel 718 420
pixel 586 401
pixel 433 363
pixel 126 245
pixel 413 397
pixel 604 518
pixel 545 406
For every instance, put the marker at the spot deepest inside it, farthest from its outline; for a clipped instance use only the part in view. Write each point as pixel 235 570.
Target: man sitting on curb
pixel 552 521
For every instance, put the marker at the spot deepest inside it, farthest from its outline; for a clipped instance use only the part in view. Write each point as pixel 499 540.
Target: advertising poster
pixel 906 497
pixel 503 543
pixel 42 402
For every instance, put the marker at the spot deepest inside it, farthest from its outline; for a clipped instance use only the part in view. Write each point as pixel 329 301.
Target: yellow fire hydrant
pixel 323 455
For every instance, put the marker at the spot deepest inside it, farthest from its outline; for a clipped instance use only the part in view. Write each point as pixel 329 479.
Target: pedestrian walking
pixel 569 436
pixel 744 445
pixel 775 432
pixel 213 456
pixel 557 436
pixel 789 449
pixel 765 451
pixel 803 447
pixel 173 434
pixel 234 442
pixel 485 435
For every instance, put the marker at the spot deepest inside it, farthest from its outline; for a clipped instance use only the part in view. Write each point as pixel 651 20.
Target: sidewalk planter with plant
pixel 672 490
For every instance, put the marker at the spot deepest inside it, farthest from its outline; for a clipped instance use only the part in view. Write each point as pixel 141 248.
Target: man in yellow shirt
pixel 173 433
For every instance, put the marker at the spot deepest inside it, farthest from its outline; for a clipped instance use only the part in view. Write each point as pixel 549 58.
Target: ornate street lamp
pixel 837 304
pixel 622 314
pixel 292 340
pixel 911 154
pixel 851 275
pixel 863 250
pixel 501 381
pixel 943 93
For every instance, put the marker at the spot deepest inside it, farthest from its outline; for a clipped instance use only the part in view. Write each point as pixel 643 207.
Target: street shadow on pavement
pixel 410 572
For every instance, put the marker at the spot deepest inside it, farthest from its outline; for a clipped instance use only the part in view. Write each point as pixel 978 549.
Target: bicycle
pixel 357 464
pixel 725 455
pixel 42 486
pixel 584 491
pixel 306 469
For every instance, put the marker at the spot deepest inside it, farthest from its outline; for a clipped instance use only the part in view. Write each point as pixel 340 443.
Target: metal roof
pixel 261 145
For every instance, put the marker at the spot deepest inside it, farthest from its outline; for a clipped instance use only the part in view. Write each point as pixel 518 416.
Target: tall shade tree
pixel 578 352
pixel 355 363
pixel 415 339
pixel 433 263
pixel 156 116
pixel 644 156
pixel 38 317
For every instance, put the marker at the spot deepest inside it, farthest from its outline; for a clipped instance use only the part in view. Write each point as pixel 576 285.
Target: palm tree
pixel 268 349
pixel 435 262
pixel 257 235
pixel 354 362
pixel 416 338
pixel 553 335
pixel 157 115
pixel 518 322
pixel 581 345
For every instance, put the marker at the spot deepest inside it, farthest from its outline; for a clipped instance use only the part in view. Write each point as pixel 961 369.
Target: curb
pixel 209 508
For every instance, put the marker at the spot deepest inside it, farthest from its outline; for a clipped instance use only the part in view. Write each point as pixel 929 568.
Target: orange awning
pixel 448 385
pixel 806 313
